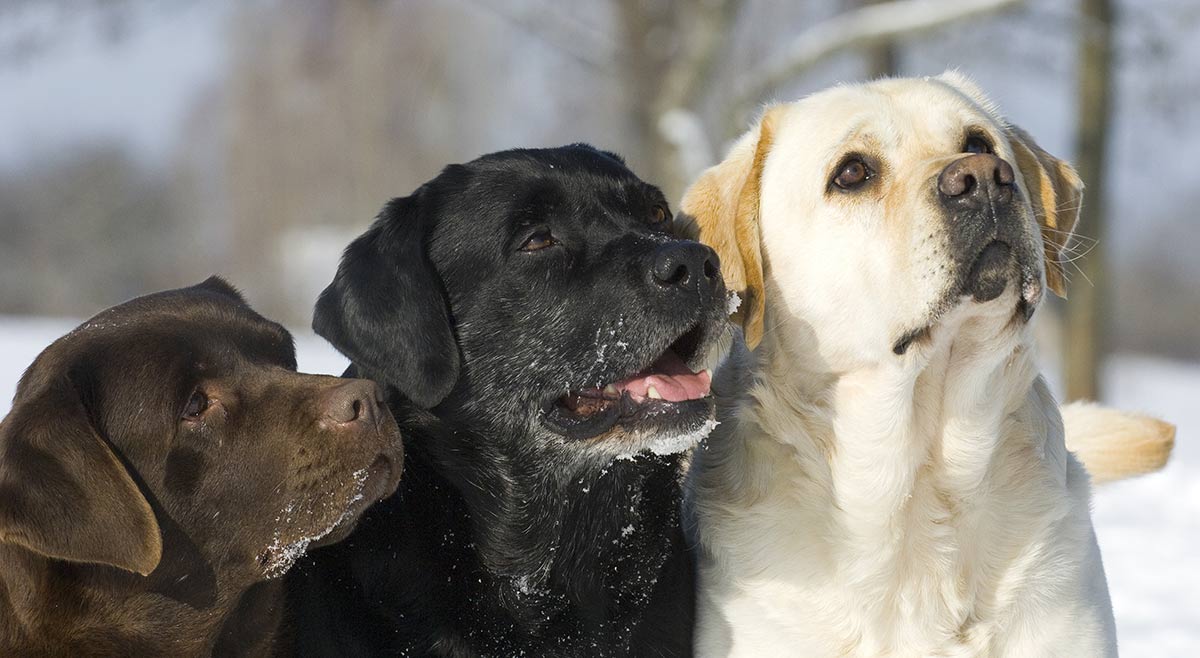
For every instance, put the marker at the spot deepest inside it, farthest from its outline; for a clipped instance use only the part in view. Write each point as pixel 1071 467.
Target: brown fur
pixel 127 528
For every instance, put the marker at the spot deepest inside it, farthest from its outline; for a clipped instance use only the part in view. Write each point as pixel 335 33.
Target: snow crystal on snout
pixel 671 444
pixel 733 303
pixel 281 556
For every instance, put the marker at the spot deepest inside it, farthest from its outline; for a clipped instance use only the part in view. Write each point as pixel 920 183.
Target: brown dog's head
pixel 870 214
pixel 179 417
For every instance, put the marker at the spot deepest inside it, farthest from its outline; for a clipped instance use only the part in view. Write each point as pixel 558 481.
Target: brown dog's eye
pixel 852 174
pixel 538 241
pixel 977 144
pixel 196 405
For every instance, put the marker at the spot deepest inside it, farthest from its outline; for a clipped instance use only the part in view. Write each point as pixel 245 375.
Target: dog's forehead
pixel 189 324
pixel 565 187
pixel 892 115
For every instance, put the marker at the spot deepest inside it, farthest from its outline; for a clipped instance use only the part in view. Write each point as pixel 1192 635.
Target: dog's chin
pixel 984 281
pixel 381 480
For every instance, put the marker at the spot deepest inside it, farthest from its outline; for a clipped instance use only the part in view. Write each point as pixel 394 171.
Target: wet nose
pixel 976 180
pixel 686 265
pixel 354 401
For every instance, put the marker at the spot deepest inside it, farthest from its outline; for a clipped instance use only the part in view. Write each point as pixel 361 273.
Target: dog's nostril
pixel 1004 173
pixel 710 269
pixel 356 410
pixel 968 184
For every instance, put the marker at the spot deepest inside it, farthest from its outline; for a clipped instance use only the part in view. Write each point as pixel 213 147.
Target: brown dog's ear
pixel 721 210
pixel 64 493
pixel 1056 192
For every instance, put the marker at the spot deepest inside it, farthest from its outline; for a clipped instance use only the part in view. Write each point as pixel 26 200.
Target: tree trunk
pixel 883 58
pixel 1087 332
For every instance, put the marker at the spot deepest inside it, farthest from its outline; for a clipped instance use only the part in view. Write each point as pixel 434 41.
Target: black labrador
pixel 546 343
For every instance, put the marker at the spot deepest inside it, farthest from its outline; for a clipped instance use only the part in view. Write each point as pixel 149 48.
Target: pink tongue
pixel 671 378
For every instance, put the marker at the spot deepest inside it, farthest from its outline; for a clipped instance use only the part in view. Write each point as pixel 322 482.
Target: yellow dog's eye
pixel 852 174
pixel 659 216
pixel 977 144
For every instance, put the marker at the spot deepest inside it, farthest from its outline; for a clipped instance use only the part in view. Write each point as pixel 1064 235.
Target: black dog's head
pixel 538 293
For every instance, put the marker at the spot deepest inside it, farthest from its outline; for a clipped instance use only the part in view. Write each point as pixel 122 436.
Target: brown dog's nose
pixel 356 400
pixel 976 180
pixel 686 265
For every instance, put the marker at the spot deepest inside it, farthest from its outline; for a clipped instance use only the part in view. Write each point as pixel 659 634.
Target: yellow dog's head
pixel 872 213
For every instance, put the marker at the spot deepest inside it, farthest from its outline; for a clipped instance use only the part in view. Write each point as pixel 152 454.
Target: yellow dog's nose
pixel 976 180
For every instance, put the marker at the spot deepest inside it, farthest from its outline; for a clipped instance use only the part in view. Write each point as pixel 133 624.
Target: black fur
pixel 516 532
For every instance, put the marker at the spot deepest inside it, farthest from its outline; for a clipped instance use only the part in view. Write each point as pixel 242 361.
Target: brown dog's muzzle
pixel 976 181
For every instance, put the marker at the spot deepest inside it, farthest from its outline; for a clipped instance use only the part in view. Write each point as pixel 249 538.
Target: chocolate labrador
pixel 162 466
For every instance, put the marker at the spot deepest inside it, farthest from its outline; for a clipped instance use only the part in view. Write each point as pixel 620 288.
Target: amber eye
pixel 538 241
pixel 197 404
pixel 852 174
pixel 976 144
pixel 659 216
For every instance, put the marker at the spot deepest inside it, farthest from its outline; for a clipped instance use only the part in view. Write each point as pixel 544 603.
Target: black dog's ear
pixel 64 493
pixel 386 310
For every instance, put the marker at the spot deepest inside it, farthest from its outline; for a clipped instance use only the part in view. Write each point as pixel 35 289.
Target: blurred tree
pixel 89 231
pixel 883 58
pixel 1087 318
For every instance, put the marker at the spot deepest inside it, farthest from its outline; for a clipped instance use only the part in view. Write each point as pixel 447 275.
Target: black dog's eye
pixel 977 144
pixel 538 241
pixel 660 217
pixel 852 174
pixel 197 404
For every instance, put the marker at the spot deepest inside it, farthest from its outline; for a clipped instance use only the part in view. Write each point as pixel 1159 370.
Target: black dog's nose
pixel 355 400
pixel 976 180
pixel 687 265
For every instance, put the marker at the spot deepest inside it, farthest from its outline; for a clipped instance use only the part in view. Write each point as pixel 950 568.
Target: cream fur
pixel 856 502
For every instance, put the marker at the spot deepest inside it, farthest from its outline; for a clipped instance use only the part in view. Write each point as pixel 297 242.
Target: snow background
pixel 137 83
pixel 1149 528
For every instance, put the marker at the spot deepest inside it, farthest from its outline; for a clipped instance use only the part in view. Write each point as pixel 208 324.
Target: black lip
pixel 995 266
pixel 655 415
pixel 625 411
pixel 990 272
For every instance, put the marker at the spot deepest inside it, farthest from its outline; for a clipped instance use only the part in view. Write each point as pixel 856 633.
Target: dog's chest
pixel 933 578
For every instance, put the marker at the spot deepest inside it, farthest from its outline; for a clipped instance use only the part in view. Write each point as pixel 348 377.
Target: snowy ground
pixel 1149 528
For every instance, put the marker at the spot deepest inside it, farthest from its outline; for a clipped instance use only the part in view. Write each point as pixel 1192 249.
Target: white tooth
pixel 652 393
pixel 611 390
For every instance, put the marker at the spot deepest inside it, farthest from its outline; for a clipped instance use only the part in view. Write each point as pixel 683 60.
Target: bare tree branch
pixel 866 26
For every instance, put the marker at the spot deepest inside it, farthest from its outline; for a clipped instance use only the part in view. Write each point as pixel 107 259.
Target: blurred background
pixel 147 144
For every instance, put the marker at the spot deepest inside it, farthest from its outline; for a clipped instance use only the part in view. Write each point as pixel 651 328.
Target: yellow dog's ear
pixel 1056 192
pixel 721 210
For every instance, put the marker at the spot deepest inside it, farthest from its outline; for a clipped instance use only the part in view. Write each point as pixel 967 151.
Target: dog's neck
pixel 872 433
pixel 53 607
pixel 557 557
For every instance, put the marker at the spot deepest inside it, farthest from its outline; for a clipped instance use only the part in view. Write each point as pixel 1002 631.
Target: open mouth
pixel 665 384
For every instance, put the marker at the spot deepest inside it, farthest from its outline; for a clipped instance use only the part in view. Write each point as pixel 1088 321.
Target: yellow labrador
pixel 894 478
